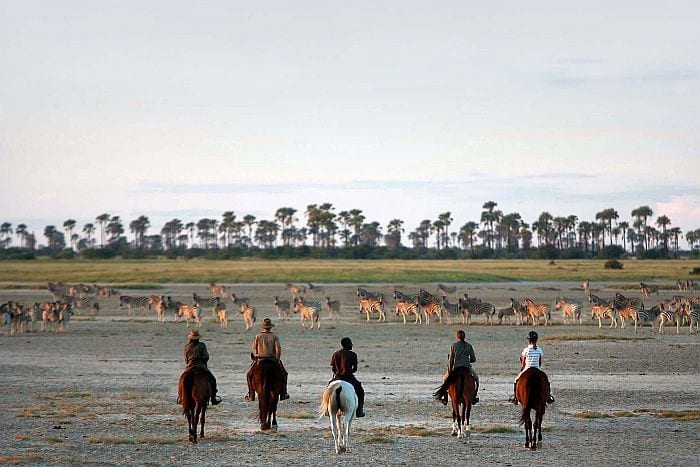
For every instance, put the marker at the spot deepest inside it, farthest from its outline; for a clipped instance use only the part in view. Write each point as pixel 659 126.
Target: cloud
pixel 682 210
pixel 46 197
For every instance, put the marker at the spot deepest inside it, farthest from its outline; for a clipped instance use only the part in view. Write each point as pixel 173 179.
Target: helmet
pixel 532 336
pixel 346 343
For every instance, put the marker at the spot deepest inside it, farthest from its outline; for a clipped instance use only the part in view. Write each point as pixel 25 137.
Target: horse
pixel 194 393
pixel 268 382
pixel 460 387
pixel 532 391
pixel 339 402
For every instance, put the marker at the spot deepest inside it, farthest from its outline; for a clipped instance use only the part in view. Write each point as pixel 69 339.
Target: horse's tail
pixel 535 396
pixel 327 400
pixel 184 392
pixel 265 401
pixel 440 393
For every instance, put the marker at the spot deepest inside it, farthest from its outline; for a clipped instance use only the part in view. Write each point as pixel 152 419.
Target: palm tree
pixel 664 222
pixel 584 233
pixel 102 219
pixel 624 226
pixel 21 232
pixel 228 221
pixel 190 227
pixel 488 218
pixel 393 237
pixel 139 227
pixel 6 231
pixel 115 229
pixel 675 233
pixel 438 228
pixel 467 233
pixel 88 230
pixel 357 219
pixel 511 224
pixel 68 226
pixel 344 219
pixel 446 220
pixel 642 213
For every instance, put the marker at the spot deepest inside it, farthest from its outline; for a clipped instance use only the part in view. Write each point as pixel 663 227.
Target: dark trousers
pixel 212 382
pixel 355 384
pixel 249 375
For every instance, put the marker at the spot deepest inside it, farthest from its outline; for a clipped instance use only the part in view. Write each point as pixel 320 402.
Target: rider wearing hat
pixel 531 357
pixel 344 366
pixel 266 345
pixel 196 355
pixel 462 355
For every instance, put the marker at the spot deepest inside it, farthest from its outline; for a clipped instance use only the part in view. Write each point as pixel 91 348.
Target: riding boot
pixel 285 395
pixel 550 399
pixel 513 398
pixel 251 392
pixel 476 391
pixel 360 406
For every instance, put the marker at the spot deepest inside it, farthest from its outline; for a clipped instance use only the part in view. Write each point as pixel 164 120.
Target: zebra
pixel 174 306
pixel 308 310
pixel 629 311
pixel 239 300
pixel 58 290
pixel 450 309
pixel 332 305
pixel 6 312
pixel 446 288
pixel 568 309
pixel 282 307
pixel 362 293
pixel 190 313
pixel 212 303
pixel 536 310
pixel 694 317
pixel 248 313
pixel 314 288
pixel 134 302
pixel 647 290
pixel 90 303
pixel 295 290
pixel 106 292
pixel 217 290
pixel 404 308
pixel 586 285
pixel 476 306
pixel 521 312
pixel 402 297
pixel 648 315
pixel 505 313
pixel 670 314
pixel 596 300
pixel 601 312
pixel 370 305
pixel 64 314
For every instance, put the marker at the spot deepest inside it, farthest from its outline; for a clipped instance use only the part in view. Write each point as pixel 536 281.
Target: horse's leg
pixel 334 429
pixel 195 422
pixel 456 422
pixel 190 429
pixel 538 423
pixel 468 429
pixel 204 412
pixel 348 422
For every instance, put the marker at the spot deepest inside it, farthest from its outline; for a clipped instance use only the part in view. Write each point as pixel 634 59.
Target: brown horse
pixel 532 391
pixel 268 382
pixel 194 393
pixel 460 386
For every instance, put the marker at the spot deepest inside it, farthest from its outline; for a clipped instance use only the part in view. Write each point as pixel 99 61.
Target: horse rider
pixel 266 345
pixel 344 366
pixel 196 355
pixel 531 357
pixel 462 355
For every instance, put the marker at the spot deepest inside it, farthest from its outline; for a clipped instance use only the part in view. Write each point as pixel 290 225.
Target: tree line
pixel 348 234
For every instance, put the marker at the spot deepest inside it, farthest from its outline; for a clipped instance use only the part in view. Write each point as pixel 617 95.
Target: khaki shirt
pixel 266 345
pixel 461 354
pixel 196 354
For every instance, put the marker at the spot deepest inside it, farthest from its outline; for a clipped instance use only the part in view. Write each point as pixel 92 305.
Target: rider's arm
pixel 278 348
pixel 472 355
pixel 451 359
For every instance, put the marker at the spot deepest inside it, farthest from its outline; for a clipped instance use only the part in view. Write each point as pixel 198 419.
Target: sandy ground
pixel 104 392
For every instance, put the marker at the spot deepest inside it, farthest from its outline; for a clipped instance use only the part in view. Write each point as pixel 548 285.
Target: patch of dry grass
pixel 379 440
pixel 21 437
pixel 69 395
pixel 494 428
pixel 300 415
pixel 54 440
pixel 599 337
pixel 19 459
pixel 683 415
pixel 624 413
pixel 408 430
pixel 223 436
pixel 117 440
pixel 588 414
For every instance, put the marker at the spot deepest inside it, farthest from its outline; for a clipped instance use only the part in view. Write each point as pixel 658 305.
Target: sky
pixel 404 109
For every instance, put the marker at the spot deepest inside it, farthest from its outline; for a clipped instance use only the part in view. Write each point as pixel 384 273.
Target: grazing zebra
pixel 282 307
pixel 537 310
pixel 362 293
pixel 596 300
pixel 402 297
pixel 648 315
pixel 476 306
pixel 314 288
pixel 629 311
pixel 450 309
pixel 217 290
pixel 647 290
pixel 295 290
pixel 90 303
pixel 520 311
pixel 370 305
pixel 568 310
pixel 249 315
pixel 667 314
pixel 601 312
pixel 505 313
pixel 586 286
pixel 332 305
pixel 239 300
pixel 190 313
pixel 106 292
pixel 406 308
pixel 309 311
pixel 134 302
pixel 203 303
pixel 447 289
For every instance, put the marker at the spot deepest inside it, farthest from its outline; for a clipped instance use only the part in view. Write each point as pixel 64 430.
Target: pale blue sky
pixel 401 109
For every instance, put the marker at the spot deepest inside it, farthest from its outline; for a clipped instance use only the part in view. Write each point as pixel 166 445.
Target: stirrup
pixel 284 397
pixel 513 400
pixel 475 400
pixel 551 400
pixel 360 413
pixel 249 397
pixel 216 400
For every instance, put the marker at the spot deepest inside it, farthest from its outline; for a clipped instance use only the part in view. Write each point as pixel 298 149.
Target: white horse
pixel 339 402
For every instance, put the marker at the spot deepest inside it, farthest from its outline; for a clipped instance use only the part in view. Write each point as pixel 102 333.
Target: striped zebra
pixel 371 305
pixel 596 300
pixel 212 303
pixel 602 312
pixel 295 290
pixel 568 310
pixel 586 285
pixel 249 315
pixel 363 293
pixel 475 306
pixel 217 290
pixel 88 303
pixel 538 310
pixel 647 290
pixel 446 288
pixel 282 307
pixel 106 292
pixel 520 311
pixel 239 300
pixel 309 311
pixel 314 288
pixel 190 313
pixel 694 317
pixel 58 290
pixel 629 311
pixel 505 313
pixel 64 314
pixel 406 308
pixel 331 306
pixel 450 309
pixel 671 315
pixel 620 301
pixel 134 302
pixel 648 315
pixel 402 297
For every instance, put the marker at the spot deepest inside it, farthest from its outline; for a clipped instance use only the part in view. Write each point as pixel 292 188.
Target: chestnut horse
pixel 532 391
pixel 460 386
pixel 268 382
pixel 194 393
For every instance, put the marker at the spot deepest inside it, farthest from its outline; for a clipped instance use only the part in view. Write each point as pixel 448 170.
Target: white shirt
pixel 533 356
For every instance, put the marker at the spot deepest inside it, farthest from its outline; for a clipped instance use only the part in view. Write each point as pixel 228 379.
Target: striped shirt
pixel 533 356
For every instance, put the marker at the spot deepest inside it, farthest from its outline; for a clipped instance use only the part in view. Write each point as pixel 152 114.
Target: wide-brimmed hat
pixel 193 335
pixel 267 324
